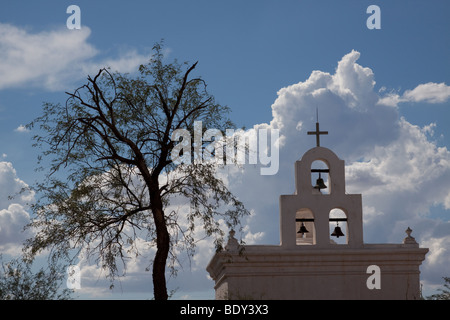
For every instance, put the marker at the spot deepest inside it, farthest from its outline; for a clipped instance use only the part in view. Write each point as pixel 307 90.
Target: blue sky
pixel 247 52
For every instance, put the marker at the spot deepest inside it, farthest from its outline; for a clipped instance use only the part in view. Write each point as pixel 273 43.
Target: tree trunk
pixel 162 245
pixel 162 234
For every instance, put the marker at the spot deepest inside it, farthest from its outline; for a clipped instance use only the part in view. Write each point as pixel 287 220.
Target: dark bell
pixel 302 229
pixel 337 232
pixel 320 184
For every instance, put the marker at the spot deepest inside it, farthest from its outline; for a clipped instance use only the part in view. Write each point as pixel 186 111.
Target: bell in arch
pixel 337 231
pixel 320 184
pixel 302 229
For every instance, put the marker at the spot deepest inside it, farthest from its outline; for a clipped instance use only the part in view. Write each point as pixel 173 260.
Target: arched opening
pixel 305 228
pixel 320 177
pixel 338 227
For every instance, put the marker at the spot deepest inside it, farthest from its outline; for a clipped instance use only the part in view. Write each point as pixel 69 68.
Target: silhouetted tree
pixel 110 176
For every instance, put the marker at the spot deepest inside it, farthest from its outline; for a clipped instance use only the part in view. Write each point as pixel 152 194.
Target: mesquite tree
pixel 110 176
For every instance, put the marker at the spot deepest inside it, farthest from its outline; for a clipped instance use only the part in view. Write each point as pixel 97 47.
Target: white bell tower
pixel 312 209
pixel 310 263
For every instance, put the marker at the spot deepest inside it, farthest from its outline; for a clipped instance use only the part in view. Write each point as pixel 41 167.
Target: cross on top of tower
pixel 317 133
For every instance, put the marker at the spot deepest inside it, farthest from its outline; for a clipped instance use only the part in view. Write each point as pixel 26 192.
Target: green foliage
pixel 445 292
pixel 19 282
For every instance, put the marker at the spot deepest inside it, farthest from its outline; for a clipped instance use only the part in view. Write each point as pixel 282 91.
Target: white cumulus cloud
pixel 13 213
pixel 12 221
pixel 22 129
pixel 428 92
pixel 54 59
